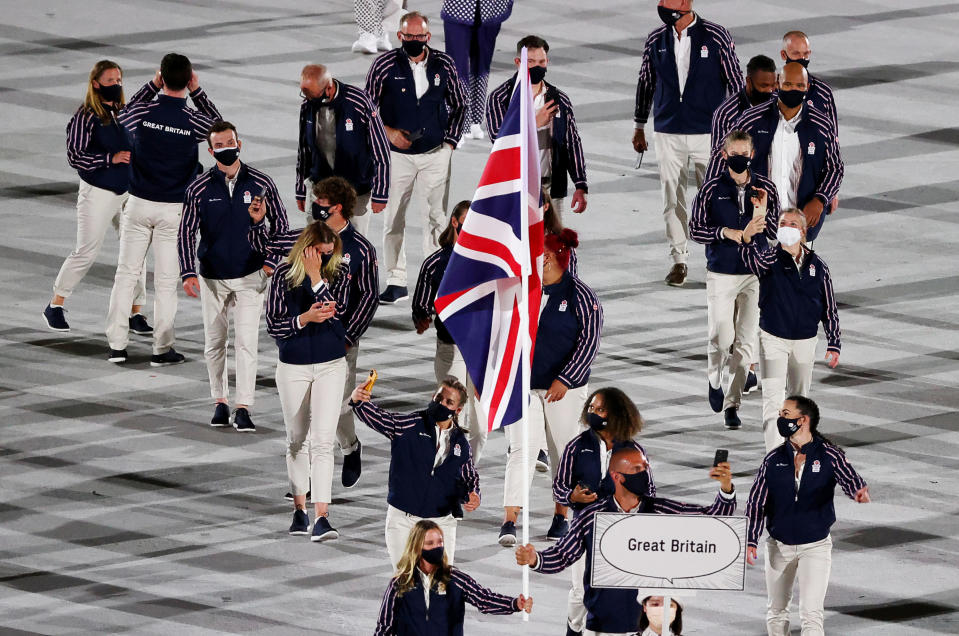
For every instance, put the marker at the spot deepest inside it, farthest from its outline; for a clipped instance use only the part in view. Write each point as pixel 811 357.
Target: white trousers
pixel 97 209
pixel 589 632
pixel 399 524
pixel 812 562
pixel 787 370
pixel 674 153
pixel 449 362
pixel 576 611
pixel 243 297
pixel 361 209
pixel 551 426
pixel 732 314
pixel 310 400
pixel 142 223
pixel 345 426
pixel 431 170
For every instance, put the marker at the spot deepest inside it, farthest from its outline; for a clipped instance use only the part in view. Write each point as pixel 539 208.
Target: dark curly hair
pixel 336 191
pixel 624 421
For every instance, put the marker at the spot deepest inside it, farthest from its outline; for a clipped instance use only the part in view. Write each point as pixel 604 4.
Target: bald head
pixel 795 47
pixel 627 461
pixel 795 76
pixel 315 80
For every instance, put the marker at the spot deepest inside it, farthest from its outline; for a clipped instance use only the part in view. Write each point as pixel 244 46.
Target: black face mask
pixel 670 16
pixel 438 412
pixel 758 97
pixel 738 163
pixel 805 63
pixel 226 156
pixel 320 212
pixel 596 422
pixel 320 102
pixel 536 74
pixel 413 48
pixel 787 427
pixel 433 556
pixel 792 99
pixel 637 483
pixel 325 259
pixel 110 93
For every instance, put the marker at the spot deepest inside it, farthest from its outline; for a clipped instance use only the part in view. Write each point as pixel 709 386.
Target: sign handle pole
pixel 524 321
pixel 667 601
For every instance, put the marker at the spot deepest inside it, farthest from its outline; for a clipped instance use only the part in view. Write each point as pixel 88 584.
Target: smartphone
pixel 370 381
pixel 262 195
pixel 328 304
pixel 721 456
pixel 584 487
pixel 416 134
pixel 639 161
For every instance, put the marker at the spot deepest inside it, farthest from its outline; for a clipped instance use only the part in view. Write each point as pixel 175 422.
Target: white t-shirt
pixel 785 160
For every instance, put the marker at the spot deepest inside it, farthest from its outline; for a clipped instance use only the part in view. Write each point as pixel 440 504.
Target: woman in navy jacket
pixel 793 497
pixel 567 341
pixel 302 316
pixel 428 597
pixel 99 149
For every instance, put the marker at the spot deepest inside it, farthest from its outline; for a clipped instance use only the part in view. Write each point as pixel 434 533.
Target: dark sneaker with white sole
pixel 140 326
pixel 118 356
pixel 166 359
pixel 507 534
pixel 752 381
pixel 242 421
pixel 731 419
pixel 221 415
pixel 352 467
pixel 557 529
pixel 53 316
pixel 542 462
pixel 301 523
pixel 323 531
pixel 289 496
pixel 393 294
pixel 716 397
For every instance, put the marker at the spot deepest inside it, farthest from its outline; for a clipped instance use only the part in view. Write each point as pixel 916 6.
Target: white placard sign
pixel 681 552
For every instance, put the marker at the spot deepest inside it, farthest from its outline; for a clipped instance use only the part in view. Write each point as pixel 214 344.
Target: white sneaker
pixel 366 43
pixel 476 131
pixel 383 43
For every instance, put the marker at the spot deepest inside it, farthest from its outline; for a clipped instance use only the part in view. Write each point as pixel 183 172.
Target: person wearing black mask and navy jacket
pixel 721 210
pixel 583 474
pixel 98 148
pixel 232 276
pixel 795 295
pixel 615 612
pixel 792 497
pixel 164 162
pixel 421 101
pixel 428 597
pixel 432 475
pixel 567 340
pixel 689 68
pixel 341 134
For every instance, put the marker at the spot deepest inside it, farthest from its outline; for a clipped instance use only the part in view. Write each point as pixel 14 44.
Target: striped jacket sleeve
pixel 496 106
pixel 379 150
pixel 384 622
pixel 424 294
pixel 189 226
pixel 304 156
pixel 483 599
pixel 281 320
pixel 846 476
pixel 203 116
pixel 830 177
pixel 376 76
pixel 563 479
pixel 366 286
pixel 758 256
pixel 145 95
pixel 205 105
pixel 79 133
pixel 702 229
pixel 470 476
pixel 756 504
pixel 827 102
pixel 723 120
pixel 722 505
pixel 732 71
pixel 276 213
pixel 574 147
pixel 278 243
pixel 570 548
pixel 830 312
pixel 772 206
pixel 455 101
pixel 590 315
pixel 384 422
pixel 646 85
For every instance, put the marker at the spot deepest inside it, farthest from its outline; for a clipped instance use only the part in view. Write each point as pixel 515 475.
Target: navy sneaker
pixel 166 359
pixel 507 535
pixel 242 422
pixel 53 316
pixel 732 419
pixel 221 415
pixel 557 529
pixel 140 326
pixel 542 462
pixel 393 294
pixel 301 523
pixel 751 382
pixel 323 531
pixel 118 356
pixel 289 496
pixel 352 467
pixel 716 397
pixel 572 632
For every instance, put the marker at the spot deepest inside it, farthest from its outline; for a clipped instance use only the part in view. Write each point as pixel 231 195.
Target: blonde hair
pixel 92 102
pixel 313 234
pixel 409 562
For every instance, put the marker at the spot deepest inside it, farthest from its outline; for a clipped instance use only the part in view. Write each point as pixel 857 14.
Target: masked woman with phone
pixel 792 497
pixel 582 476
pixel 302 316
pixel 428 596
pixel 795 295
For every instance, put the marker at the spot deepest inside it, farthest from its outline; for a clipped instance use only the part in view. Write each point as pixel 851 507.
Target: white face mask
pixel 655 615
pixel 788 236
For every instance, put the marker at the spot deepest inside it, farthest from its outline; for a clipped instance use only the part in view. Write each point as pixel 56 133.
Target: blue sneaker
pixel 242 421
pixel 140 326
pixel 301 523
pixel 352 467
pixel 323 531
pixel 557 529
pixel 166 359
pixel 542 462
pixel 751 382
pixel 507 535
pixel 221 415
pixel 716 397
pixel 117 356
pixel 731 419
pixel 53 316
pixel 393 294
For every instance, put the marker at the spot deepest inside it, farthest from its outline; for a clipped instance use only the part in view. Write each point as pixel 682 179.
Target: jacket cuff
pixel 581 185
pixel 449 139
pixel 834 347
pixel 272 260
pixel 825 200
pixel 566 381
pixel 187 274
pixel 376 198
pixel 640 125
pixel 719 234
pixel 197 93
pixel 728 496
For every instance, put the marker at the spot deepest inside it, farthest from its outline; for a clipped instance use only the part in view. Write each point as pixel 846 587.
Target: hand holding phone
pixel 371 381
pixel 722 455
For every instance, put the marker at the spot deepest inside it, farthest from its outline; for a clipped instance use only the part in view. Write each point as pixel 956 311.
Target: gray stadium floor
pixel 122 511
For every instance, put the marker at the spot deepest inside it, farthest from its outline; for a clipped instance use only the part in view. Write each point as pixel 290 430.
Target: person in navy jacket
pixel 98 147
pixel 341 134
pixel 164 161
pixel 792 496
pixel 583 477
pixel 432 475
pixel 428 597
pixel 617 611
pixel 334 200
pixel 232 276
pixel 301 315
pixel 796 148
pixel 722 209
pixel 567 340
pixel 760 87
pixel 420 98
pixel 689 68
pixel 795 295
pixel 796 49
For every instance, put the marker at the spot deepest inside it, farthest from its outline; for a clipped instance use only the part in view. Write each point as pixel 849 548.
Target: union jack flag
pixel 499 246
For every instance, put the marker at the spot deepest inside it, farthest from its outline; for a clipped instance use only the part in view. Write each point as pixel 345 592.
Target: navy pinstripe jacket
pixel 567 338
pixel 580 463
